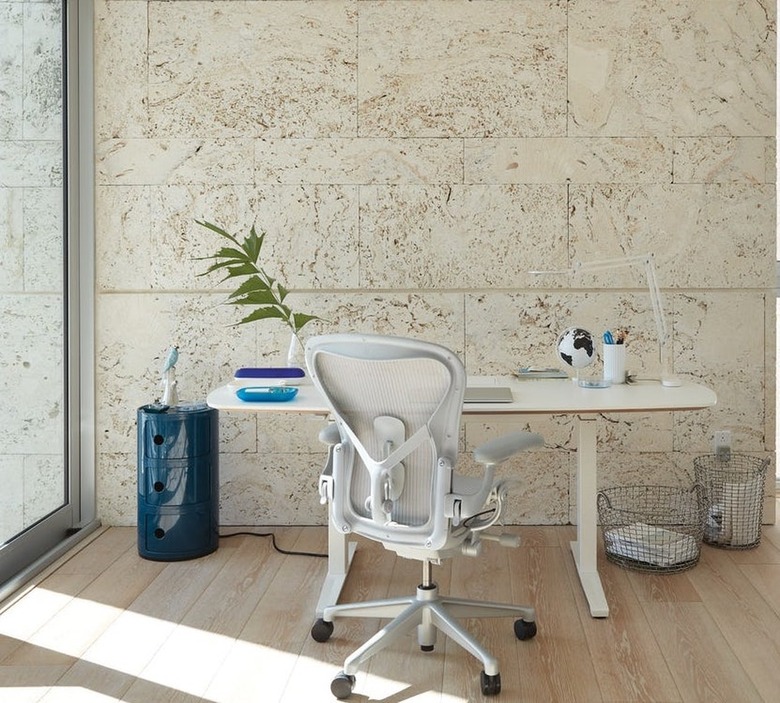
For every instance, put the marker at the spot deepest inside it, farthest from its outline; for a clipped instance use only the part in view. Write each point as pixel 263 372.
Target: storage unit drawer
pixel 171 534
pixel 176 481
pixel 176 434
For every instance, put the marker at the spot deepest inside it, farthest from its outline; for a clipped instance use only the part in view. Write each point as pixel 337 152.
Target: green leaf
pixel 253 244
pixel 230 253
pixel 300 319
pixel 257 297
pixel 234 270
pixel 242 267
pixel 262 314
pixel 215 267
pixel 259 289
pixel 218 230
pixel 252 283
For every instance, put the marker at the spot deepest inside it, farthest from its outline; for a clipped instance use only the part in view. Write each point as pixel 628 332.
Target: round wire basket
pixel 653 528
pixel 734 488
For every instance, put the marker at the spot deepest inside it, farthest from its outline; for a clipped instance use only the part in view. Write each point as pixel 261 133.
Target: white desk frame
pixel 540 397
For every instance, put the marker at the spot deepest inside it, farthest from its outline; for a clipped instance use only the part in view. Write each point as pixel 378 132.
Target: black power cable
pixel 275 546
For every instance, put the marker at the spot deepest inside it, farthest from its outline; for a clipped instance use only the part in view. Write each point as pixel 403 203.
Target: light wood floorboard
pixel 105 625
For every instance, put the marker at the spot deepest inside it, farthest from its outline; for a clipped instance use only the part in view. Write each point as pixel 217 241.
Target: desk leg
pixel 340 553
pixel 584 549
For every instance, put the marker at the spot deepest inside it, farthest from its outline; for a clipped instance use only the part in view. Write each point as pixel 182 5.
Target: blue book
pixel 247 372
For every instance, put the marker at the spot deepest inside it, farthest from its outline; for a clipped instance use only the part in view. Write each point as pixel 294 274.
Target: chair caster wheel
pixel 321 630
pixel 491 685
pixel 524 630
pixel 342 685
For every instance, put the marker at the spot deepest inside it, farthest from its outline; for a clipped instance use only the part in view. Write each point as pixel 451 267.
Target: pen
pixel 608 339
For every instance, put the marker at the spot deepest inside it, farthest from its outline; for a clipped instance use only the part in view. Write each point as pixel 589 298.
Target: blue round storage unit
pixel 178 481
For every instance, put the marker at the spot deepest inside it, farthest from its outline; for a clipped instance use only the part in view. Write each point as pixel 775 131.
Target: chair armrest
pixel 496 450
pixel 330 434
pixel 470 494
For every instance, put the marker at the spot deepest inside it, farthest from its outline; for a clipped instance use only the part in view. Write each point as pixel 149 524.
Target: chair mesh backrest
pixel 365 377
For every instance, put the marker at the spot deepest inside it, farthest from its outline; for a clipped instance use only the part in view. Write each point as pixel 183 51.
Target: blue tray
pixel 266 394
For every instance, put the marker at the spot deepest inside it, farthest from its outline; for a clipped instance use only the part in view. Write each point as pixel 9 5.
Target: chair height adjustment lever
pixel 504 539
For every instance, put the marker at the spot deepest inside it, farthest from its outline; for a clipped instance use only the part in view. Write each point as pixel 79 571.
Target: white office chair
pixel 391 477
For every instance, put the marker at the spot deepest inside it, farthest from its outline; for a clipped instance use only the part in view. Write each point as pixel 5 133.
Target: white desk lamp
pixel 645 260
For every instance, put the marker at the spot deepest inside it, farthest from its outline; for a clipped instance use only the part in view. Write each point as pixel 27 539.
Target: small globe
pixel 575 347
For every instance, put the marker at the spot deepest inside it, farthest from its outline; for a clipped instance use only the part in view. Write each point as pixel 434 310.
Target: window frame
pixel 27 554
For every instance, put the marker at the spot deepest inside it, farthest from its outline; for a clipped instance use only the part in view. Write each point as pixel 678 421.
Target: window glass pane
pixel 33 414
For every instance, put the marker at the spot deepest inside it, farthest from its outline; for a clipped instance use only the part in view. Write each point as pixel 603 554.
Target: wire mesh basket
pixel 653 528
pixel 734 488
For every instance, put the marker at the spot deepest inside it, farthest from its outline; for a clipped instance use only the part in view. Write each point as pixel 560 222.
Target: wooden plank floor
pixel 105 625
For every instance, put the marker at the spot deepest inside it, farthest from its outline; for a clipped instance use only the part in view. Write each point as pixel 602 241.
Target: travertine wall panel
pixel 358 161
pixel 121 69
pixel 460 236
pixel 568 160
pixel 150 239
pixel 11 239
pixel 11 53
pixel 679 224
pixel 721 336
pixel 724 160
pixel 412 163
pixel 31 163
pixel 12 497
pixel 175 161
pixel 42 60
pixel 43 239
pixel 462 70
pixel 282 69
pixel 30 382
pixel 640 67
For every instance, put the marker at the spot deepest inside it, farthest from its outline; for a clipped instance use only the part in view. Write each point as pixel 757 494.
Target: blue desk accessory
pixel 265 394
pixel 271 372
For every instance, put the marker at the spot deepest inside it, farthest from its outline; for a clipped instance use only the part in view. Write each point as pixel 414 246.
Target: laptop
pixel 488 394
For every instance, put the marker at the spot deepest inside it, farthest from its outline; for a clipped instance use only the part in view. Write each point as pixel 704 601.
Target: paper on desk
pixel 527 372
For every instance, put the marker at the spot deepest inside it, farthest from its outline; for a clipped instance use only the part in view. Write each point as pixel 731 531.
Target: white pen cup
pixel 615 363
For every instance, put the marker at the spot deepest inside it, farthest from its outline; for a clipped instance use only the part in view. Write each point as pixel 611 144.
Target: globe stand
pixel 577 349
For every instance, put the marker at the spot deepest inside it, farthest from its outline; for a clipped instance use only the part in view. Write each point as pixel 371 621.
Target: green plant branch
pixel 259 290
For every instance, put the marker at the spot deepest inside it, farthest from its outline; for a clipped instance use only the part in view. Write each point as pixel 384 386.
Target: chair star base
pixel 429 612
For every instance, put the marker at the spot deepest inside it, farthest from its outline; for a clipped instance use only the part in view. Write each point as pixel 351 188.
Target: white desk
pixel 542 397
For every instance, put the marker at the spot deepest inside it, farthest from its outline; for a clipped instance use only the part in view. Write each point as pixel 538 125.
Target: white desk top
pixel 541 396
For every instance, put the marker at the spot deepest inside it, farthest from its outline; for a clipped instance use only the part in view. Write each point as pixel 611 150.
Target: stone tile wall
pixel 412 162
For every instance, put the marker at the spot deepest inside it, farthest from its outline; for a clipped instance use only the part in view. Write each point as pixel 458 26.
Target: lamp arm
pixel 645 260
pixel 655 299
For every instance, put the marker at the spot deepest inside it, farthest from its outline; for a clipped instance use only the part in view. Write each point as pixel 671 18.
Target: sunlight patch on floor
pixel 73 694
pixel 163 659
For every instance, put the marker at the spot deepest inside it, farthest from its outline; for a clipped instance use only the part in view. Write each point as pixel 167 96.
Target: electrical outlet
pixel 721 444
